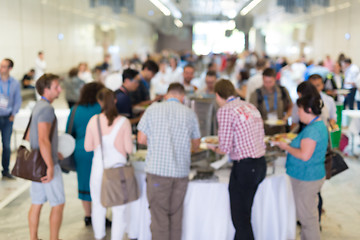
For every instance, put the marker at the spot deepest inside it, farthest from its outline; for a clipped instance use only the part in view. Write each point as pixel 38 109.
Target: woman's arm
pixel 306 150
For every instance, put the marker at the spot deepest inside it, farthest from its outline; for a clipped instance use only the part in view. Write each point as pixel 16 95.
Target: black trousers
pixel 245 177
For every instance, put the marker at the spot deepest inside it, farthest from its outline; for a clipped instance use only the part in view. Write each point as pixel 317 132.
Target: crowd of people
pixel 249 91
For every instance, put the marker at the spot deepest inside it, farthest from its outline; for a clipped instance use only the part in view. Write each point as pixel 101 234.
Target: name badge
pixel 4 101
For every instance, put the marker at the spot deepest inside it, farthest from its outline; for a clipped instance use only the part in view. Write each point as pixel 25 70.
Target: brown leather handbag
pixel 29 163
pixel 119 184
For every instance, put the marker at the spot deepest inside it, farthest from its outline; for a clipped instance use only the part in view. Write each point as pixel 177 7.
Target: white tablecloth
pixel 207 211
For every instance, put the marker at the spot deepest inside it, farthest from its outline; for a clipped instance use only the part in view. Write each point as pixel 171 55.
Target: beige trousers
pixel 166 199
pixel 306 202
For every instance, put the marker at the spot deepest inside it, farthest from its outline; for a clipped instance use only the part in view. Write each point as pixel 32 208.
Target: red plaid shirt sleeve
pixel 225 131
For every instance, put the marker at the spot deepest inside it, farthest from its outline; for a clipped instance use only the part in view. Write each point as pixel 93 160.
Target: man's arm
pixel 195 144
pixel 44 129
pixel 141 137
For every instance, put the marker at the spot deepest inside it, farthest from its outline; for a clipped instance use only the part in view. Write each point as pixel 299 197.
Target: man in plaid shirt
pixel 241 136
pixel 169 129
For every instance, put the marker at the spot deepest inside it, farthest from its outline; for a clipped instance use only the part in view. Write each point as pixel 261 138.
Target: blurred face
pixel 318 84
pixel 41 56
pixel 188 74
pixel 133 84
pixel 82 67
pixel 337 68
pixel 53 92
pixel 210 82
pixel 4 67
pixel 173 63
pixel 147 74
pixel 269 82
pixel 303 116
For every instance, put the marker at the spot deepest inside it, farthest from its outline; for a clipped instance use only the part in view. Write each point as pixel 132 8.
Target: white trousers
pixel 98 212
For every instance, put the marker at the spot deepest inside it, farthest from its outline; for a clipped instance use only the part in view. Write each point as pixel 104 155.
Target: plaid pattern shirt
pixel 241 130
pixel 169 127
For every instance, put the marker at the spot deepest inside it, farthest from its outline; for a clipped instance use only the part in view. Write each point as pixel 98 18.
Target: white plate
pixel 207 138
pixel 66 145
pixel 275 122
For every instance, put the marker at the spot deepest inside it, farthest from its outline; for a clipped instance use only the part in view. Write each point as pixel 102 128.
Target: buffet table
pixel 207 211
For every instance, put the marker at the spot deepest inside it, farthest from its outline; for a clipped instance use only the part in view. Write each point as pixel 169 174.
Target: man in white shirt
pixel 256 81
pixel 351 73
pixel 40 68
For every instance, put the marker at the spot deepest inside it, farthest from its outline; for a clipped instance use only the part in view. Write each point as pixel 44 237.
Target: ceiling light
pixel 249 7
pixel 161 7
pixel 178 23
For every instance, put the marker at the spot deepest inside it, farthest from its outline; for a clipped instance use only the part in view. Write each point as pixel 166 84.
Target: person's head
pixel 83 67
pixel 337 68
pixel 73 72
pixel 223 90
pixel 88 93
pixel 106 99
pixel 176 90
pixel 210 80
pixel 188 73
pixel 107 58
pixel 6 66
pixel 261 64
pixel 149 69
pixel 243 75
pixel 317 81
pixel 131 79
pixel 31 73
pixel 269 79
pixel 173 62
pixel 306 88
pixel 309 107
pixel 212 67
pixel 163 65
pixel 41 55
pixel 346 63
pixel 48 86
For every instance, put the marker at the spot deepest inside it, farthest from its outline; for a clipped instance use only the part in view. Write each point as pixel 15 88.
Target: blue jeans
pixel 350 98
pixel 6 130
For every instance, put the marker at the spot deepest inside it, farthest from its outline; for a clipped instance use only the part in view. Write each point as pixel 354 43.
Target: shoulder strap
pixel 51 131
pixel 260 97
pixel 72 116
pixel 27 128
pixel 100 138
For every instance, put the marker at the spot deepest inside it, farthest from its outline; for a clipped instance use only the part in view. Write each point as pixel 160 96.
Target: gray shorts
pixel 52 191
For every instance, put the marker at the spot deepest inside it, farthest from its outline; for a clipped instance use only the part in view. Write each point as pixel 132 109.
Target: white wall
pixel 28 26
pixel 327 28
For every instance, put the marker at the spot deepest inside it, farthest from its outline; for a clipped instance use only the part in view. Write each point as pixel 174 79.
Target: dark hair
pixel 224 88
pixel 177 88
pixel 40 52
pixel 73 72
pixel 314 77
pixel 312 102
pixel 210 64
pixel 269 72
pixel 189 66
pixel 347 60
pixel 211 73
pixel 129 74
pixel 11 63
pixel 107 98
pixel 306 88
pixel 244 75
pixel 261 63
pixel 32 70
pixel 151 66
pixel 45 81
pixel 88 93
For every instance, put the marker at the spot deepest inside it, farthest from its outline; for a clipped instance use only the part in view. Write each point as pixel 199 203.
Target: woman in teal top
pixel 306 164
pixel 87 107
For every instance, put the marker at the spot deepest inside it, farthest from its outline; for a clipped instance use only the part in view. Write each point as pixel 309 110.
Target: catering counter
pixel 207 211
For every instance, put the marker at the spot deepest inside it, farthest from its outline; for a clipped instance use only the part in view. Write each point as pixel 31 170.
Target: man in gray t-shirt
pixel 51 187
pixel 44 112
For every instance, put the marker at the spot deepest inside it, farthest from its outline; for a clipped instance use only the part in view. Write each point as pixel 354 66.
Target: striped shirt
pixel 241 130
pixel 169 127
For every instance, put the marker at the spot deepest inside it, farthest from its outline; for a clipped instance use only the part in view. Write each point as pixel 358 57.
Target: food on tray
pixel 210 140
pixel 275 122
pixel 283 137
